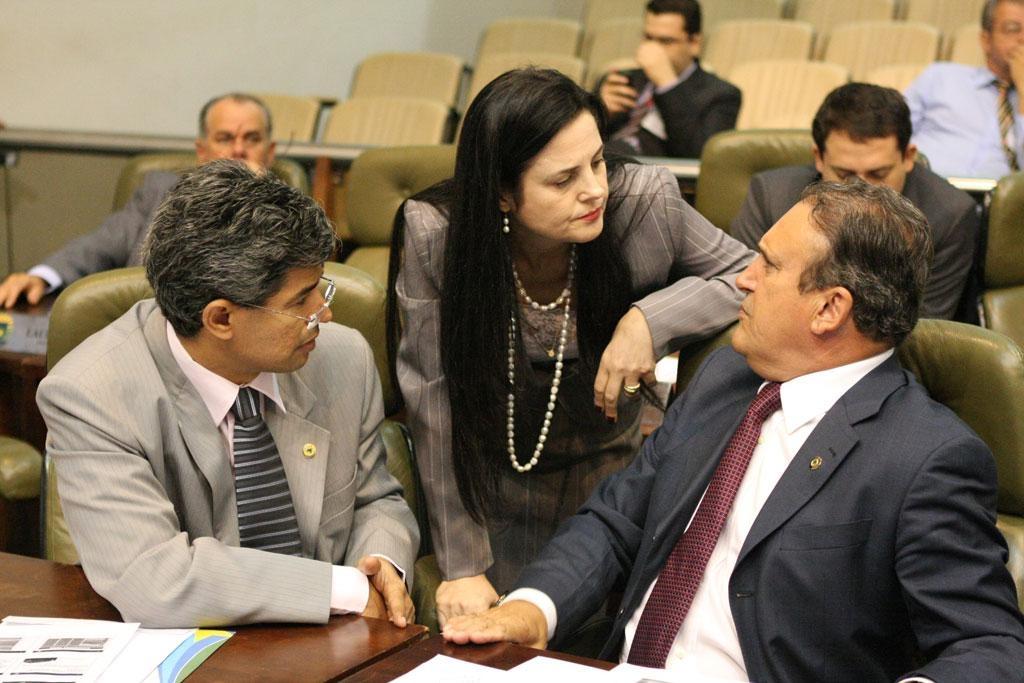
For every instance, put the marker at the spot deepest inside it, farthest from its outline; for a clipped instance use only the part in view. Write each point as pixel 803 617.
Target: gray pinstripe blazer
pixel 148 492
pixel 688 263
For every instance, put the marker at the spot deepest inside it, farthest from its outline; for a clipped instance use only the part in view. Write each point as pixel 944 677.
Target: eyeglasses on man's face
pixel 327 290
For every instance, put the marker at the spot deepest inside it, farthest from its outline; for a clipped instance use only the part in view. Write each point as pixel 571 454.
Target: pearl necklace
pixel 563 299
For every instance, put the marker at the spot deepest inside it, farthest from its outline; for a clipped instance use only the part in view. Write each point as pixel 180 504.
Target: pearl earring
pixel 504 223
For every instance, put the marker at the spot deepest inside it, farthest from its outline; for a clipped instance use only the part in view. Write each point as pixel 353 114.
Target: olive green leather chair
pixel 731 158
pixel 131 176
pixel 976 373
pixel 20 469
pixel 93 302
pixel 379 181
pixel 1003 298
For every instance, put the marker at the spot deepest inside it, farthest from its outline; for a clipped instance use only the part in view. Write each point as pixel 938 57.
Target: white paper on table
pixel 143 654
pixel 631 673
pixel 443 669
pixel 28 650
pixel 543 668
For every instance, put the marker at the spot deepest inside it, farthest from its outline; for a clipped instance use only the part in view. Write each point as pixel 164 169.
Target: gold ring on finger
pixel 631 389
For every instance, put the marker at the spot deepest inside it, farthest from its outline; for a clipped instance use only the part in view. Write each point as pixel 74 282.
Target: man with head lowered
pixel 863 131
pixel 217 448
pixel 233 126
pixel 807 512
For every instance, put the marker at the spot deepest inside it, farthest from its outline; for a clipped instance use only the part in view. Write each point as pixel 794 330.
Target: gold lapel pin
pixel 816 462
pixel 309 450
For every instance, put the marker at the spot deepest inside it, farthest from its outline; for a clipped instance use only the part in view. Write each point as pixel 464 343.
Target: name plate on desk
pixel 23 332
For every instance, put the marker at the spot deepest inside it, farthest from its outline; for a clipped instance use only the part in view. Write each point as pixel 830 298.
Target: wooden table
pixel 345 645
pixel 497 655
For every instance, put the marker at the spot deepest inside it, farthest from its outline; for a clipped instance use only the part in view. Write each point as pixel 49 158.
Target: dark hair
pixel 688 9
pixel 880 249
pixel 987 10
pixel 239 97
pixel 225 232
pixel 863 111
pixel 508 123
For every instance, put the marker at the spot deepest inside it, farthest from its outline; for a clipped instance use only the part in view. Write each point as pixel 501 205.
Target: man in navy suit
pixel 859 542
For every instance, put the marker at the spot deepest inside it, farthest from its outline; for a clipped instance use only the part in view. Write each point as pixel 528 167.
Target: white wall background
pixel 146 66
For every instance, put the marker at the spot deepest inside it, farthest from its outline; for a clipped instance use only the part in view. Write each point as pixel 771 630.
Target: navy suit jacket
pixel 882 561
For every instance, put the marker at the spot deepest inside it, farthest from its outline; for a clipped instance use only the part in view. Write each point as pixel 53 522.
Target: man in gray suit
pixel 212 467
pixel 806 512
pixel 232 126
pixel 863 131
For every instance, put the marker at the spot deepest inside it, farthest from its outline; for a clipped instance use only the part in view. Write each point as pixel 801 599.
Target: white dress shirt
pixel 350 589
pixel 708 642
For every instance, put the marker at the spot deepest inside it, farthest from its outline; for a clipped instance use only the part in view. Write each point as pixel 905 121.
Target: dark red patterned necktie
pixel 680 578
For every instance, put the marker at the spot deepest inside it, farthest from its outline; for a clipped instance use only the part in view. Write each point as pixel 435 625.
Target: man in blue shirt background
pixel 967 120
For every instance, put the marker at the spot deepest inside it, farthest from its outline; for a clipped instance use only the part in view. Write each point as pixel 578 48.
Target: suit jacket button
pixel 309 450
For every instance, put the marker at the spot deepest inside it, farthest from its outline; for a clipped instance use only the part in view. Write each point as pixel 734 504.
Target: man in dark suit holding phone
pixel 669 106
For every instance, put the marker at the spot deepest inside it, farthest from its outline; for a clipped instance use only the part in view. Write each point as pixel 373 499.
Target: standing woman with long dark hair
pixel 534 291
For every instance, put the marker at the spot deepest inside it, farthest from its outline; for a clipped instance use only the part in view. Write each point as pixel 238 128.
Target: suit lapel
pixel 304 448
pixel 831 441
pixel 202 438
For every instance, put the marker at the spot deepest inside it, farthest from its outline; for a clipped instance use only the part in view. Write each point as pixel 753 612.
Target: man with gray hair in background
pixel 233 126
pixel 214 468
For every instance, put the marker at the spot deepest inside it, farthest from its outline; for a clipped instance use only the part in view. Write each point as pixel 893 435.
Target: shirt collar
pixel 809 397
pixel 984 78
pixel 218 393
pixel 687 72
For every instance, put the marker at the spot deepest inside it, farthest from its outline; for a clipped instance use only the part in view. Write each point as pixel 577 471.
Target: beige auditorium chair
pixel 295 117
pixel 596 12
pixel 732 43
pixel 612 41
pixel 560 36
pixel 429 75
pixel 965 46
pixel 374 122
pixel 387 121
pixel 897 76
pixel 945 15
pixel 784 93
pixel 490 67
pixel 824 15
pixel 714 12
pixel 864 45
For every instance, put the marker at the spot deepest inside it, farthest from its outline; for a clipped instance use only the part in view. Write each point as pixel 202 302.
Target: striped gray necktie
pixel 266 516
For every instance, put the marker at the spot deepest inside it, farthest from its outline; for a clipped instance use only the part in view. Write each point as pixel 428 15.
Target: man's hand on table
pixel 389 598
pixel 515 621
